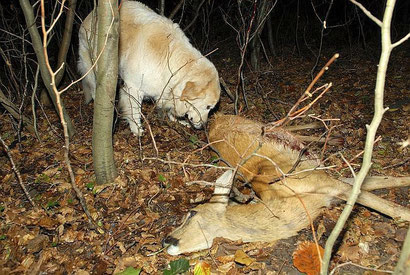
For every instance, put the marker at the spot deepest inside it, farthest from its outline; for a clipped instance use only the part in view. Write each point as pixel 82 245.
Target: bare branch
pixel 57 94
pixel 196 16
pixel 162 7
pixel 307 94
pixel 402 266
pixel 368 13
pixel 13 110
pixel 400 41
pixel 226 89
pixel 16 171
pixel 371 132
pixel 176 9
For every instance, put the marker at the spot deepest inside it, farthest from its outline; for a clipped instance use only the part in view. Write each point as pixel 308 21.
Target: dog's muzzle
pixel 196 125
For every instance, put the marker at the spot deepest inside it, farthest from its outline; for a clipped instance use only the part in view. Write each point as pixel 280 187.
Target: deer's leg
pixel 263 190
pixel 374 183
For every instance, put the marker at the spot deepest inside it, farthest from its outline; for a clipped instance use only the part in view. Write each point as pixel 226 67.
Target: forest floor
pixel 151 196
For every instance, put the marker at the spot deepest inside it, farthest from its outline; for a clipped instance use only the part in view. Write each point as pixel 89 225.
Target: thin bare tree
pixel 57 95
pixel 38 48
pixel 264 9
pixel 379 110
pixel 107 75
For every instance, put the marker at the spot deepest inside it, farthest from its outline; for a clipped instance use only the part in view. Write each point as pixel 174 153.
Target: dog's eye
pixel 209 107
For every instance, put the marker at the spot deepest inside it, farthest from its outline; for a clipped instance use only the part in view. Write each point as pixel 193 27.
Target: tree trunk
pixel 107 75
pixel 379 110
pixel 255 44
pixel 66 41
pixel 38 48
pixel 270 35
pixel 403 266
pixel 162 7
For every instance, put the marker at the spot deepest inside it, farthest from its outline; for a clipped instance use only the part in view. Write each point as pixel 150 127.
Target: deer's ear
pixel 191 91
pixel 223 186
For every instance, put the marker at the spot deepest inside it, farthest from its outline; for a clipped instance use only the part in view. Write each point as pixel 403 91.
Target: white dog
pixel 156 60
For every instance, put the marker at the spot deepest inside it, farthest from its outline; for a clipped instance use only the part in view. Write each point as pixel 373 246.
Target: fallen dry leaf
pixel 350 253
pixel 72 235
pixel 202 268
pixel 401 234
pixel 226 258
pixel 27 262
pixel 225 268
pixel 242 258
pixel 121 247
pixel 306 258
pixel 37 244
pixel 48 223
pixel 140 208
pixel 81 272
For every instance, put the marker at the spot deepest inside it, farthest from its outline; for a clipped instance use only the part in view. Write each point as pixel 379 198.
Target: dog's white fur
pixel 156 60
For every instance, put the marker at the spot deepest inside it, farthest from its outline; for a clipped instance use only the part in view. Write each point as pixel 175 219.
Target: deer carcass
pixel 291 195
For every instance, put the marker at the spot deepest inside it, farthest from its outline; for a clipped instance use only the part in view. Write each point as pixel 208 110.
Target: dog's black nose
pixel 169 241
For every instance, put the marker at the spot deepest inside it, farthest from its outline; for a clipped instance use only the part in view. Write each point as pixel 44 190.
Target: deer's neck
pixel 298 201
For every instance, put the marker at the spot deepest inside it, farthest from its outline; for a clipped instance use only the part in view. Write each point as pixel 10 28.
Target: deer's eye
pixel 192 213
pixel 209 107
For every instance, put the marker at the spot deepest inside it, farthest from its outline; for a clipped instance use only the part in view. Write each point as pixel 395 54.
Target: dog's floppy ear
pixel 191 91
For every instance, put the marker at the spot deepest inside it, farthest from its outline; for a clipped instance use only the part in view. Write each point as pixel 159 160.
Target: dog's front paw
pixel 185 123
pixel 172 117
pixel 137 130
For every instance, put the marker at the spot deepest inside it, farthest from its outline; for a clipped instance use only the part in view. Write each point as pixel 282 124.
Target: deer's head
pixel 203 223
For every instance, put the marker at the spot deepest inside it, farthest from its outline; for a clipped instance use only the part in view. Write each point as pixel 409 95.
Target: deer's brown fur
pixel 287 206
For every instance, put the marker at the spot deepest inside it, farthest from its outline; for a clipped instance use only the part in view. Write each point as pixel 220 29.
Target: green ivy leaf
pixel 193 139
pixel 213 159
pixel 177 267
pixel 90 185
pixel 52 204
pixel 42 178
pixel 130 271
pixel 162 178
pixel 202 268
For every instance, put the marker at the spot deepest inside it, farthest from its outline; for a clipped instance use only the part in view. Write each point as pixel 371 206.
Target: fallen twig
pixel 293 113
pixel 226 89
pixel 16 171
pixel 13 110
pixel 292 128
pixel 358 155
pixel 321 139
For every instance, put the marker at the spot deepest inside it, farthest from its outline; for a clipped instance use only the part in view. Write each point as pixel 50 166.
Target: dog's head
pixel 199 98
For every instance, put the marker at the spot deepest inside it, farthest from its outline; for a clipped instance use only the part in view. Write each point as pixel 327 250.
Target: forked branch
pixel 57 95
pixel 293 112
pixel 371 129
pixel 16 171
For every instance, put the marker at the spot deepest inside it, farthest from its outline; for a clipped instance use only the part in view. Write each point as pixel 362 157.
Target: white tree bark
pixel 387 47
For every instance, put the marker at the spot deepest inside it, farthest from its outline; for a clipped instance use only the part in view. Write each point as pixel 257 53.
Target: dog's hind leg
pixel 130 106
pixel 84 65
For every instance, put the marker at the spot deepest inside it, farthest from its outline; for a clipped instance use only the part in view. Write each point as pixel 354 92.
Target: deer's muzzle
pixel 169 240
